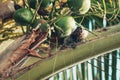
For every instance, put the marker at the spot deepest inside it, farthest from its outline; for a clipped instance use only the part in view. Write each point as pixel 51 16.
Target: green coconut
pixel 23 16
pixel 43 24
pixel 33 3
pixel 65 26
pixel 82 5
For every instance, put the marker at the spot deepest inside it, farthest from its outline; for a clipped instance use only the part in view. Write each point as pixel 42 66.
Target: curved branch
pixel 109 40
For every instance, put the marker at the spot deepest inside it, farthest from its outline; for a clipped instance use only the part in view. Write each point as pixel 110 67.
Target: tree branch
pixel 109 40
